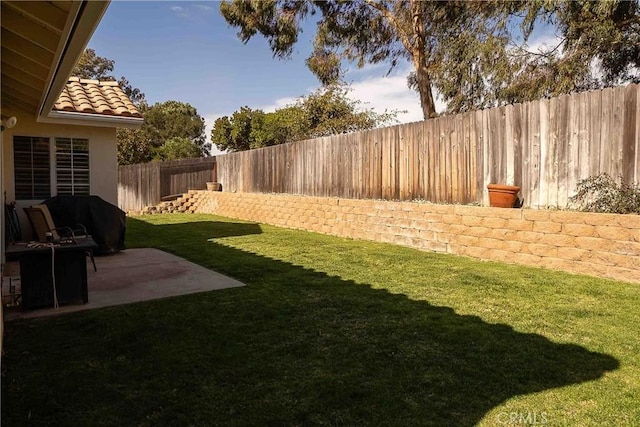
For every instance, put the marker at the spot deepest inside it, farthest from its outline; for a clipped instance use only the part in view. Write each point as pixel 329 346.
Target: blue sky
pixel 185 51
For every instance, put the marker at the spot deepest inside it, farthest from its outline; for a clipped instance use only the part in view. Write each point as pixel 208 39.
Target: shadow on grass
pixel 295 347
pixel 212 229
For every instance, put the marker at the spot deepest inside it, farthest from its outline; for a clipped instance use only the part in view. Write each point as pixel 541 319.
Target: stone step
pixel 186 203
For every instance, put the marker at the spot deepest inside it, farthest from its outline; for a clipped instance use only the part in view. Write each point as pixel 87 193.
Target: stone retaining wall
pixel 604 245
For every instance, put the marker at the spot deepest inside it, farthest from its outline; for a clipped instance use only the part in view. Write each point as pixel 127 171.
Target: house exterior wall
pixel 603 245
pixel 103 162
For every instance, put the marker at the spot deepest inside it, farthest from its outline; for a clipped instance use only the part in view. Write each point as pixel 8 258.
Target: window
pixel 31 168
pixel 72 166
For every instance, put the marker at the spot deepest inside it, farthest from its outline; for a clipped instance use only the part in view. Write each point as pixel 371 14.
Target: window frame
pixel 33 194
pixel 80 175
pixel 53 175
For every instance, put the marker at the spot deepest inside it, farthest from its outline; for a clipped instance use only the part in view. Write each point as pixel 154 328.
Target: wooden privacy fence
pixel 543 146
pixel 145 184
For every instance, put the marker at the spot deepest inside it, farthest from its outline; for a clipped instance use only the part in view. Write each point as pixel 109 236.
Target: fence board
pixel 463 166
pixel 573 143
pixel 565 163
pixel 487 166
pixel 517 145
pixel 534 153
pixel 456 164
pixel 378 171
pixel 617 129
pixel 439 161
pixel 553 151
pixel 430 172
pixel 629 132
pixel 323 183
pixel 419 165
pixel 595 131
pixel 584 135
pixel 494 146
pixel 606 139
pixel 457 161
pixel 477 144
pixel 543 190
pixel 636 173
pixel 501 171
pixel 313 169
pixel 509 128
pixel 386 164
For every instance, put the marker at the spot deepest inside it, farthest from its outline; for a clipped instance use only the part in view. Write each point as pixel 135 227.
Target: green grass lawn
pixel 332 331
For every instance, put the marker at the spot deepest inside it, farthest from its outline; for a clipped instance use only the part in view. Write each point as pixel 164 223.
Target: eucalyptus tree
pixel 596 45
pixel 427 34
pixel 475 54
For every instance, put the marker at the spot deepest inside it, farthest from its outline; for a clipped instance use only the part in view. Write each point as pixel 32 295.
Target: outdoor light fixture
pixel 8 122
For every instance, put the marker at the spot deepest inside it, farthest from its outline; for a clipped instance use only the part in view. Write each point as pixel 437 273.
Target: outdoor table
pixel 70 271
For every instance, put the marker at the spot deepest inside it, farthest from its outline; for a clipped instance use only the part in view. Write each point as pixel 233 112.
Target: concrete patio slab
pixel 137 275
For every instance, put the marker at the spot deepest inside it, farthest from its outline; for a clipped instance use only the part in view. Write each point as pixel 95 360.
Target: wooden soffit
pixel 41 42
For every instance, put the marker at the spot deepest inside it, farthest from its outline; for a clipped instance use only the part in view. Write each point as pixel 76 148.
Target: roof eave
pixel 88 16
pixel 97 120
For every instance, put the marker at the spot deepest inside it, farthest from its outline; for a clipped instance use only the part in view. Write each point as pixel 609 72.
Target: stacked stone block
pixel 604 245
pixel 187 203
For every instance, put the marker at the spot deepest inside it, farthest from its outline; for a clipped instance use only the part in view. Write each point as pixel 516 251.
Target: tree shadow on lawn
pixel 294 347
pixel 194 230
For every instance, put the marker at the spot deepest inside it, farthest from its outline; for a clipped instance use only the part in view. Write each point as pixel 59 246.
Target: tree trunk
pixel 424 87
pixel 419 55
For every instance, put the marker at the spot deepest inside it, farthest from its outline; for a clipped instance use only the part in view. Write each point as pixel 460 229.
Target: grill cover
pixel 104 222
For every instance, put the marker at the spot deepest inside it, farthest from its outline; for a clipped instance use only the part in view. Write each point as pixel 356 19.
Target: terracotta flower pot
pixel 503 196
pixel 214 186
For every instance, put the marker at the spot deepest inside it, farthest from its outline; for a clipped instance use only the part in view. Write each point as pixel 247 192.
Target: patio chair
pixel 14 233
pixel 42 223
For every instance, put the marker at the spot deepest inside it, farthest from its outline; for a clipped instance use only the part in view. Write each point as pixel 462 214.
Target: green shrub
pixel 601 193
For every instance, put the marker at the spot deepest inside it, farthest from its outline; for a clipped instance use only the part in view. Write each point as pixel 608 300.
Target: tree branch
pixel 541 54
pixel 379 6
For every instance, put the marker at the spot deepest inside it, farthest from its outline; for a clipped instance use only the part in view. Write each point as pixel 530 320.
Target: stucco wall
pixel 603 245
pixel 103 162
pixel 102 152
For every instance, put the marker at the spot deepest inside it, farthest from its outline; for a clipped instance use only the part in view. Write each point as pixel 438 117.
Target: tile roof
pixel 95 97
